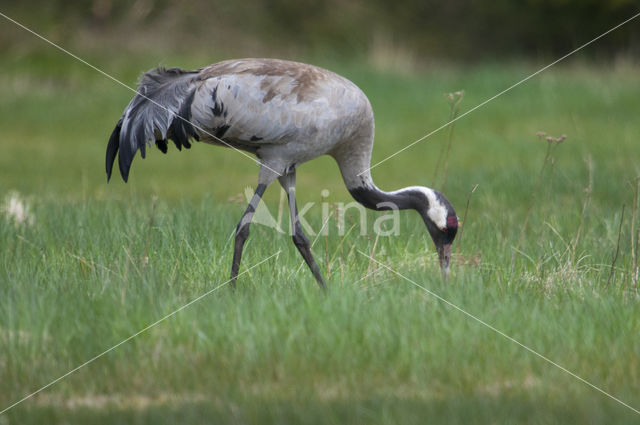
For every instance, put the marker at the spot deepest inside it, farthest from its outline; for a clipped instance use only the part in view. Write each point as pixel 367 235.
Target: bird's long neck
pixel 354 160
pixel 373 198
pixel 364 190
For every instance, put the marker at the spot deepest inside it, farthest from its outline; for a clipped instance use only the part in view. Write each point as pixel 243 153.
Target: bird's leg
pixel 300 240
pixel 242 231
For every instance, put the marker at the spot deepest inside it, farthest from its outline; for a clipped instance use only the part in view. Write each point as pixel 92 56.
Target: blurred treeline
pixel 416 29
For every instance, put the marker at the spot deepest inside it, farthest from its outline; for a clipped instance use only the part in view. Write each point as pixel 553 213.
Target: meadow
pixel 90 264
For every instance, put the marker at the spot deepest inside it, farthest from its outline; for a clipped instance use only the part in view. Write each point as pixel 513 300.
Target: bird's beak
pixel 444 255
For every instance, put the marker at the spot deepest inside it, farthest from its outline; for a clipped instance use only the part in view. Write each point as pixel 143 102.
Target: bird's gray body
pixel 280 102
pixel 284 113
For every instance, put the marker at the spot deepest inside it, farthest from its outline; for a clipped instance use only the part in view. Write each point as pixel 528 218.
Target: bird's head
pixel 442 223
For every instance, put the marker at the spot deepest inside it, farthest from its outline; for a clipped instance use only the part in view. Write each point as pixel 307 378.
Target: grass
pixel 376 350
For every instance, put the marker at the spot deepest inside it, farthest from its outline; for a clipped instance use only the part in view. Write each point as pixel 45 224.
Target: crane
pixel 285 113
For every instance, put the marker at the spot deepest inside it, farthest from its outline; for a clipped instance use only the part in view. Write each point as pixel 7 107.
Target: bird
pixel 284 114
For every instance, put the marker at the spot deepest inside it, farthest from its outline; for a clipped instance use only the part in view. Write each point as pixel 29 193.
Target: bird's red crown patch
pixel 452 221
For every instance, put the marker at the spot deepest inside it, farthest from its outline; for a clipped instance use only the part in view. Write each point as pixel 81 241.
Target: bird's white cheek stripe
pixel 437 212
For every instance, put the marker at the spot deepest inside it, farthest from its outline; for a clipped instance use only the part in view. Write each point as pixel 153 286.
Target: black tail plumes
pixel 161 110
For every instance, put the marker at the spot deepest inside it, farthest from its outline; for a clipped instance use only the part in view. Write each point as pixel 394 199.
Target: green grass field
pixel 88 267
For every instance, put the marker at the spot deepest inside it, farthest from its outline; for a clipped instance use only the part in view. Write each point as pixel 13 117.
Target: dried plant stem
pixel 635 237
pixel 449 143
pixel 123 284
pixel 587 200
pixel 636 272
pixel 615 255
pixel 464 217
pixel 373 250
pixel 145 257
pixel 634 208
pixel 547 201
pixel 326 255
pixel 454 102
pixel 533 199
pixel 341 266
pixel 131 261
pixel 339 219
pixel 437 168
pixel 175 264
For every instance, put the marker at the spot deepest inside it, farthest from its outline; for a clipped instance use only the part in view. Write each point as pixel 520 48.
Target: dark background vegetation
pixel 425 30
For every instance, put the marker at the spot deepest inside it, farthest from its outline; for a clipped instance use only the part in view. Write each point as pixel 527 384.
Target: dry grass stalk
pixel 615 255
pixel 551 142
pixel 455 103
pixel 145 257
pixel 372 266
pixel 635 236
pixel 454 100
pixel 340 219
pixel 636 272
pixel 464 217
pixel 587 200
pixel 175 264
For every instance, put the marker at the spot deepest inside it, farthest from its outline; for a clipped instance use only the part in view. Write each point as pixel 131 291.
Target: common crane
pixel 285 113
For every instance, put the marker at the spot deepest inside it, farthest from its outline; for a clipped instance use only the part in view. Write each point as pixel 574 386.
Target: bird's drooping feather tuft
pixel 160 111
pixel 112 148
